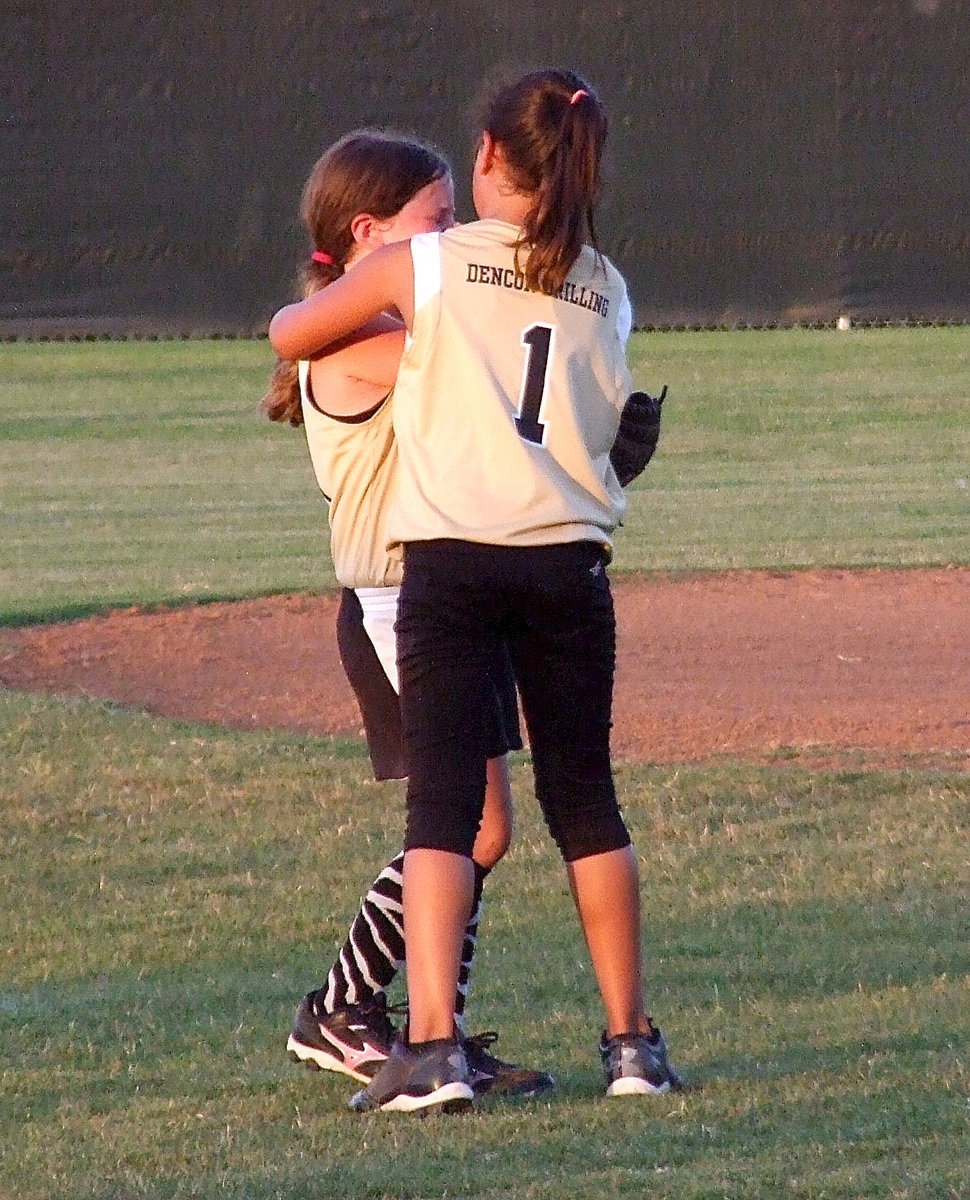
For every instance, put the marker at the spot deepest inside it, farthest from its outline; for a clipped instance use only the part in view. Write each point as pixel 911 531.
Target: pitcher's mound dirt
pixel 821 667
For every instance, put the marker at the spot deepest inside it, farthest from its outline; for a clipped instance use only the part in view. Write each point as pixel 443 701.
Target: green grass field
pixel 139 472
pixel 170 890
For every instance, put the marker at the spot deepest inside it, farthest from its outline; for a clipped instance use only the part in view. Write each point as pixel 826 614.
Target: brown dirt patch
pixel 822 667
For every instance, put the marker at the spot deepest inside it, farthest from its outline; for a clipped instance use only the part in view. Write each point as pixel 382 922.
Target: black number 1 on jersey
pixel 537 340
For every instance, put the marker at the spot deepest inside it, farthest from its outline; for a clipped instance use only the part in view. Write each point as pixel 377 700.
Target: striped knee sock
pixel 468 946
pixel 374 950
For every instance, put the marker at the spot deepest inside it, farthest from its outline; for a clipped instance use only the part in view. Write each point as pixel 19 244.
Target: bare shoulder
pixel 354 374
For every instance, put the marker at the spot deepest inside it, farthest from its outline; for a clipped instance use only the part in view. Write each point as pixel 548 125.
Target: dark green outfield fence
pixel 775 162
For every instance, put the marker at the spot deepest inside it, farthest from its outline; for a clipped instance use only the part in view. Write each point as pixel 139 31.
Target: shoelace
pixel 479 1044
pixel 381 1012
pixel 482 1041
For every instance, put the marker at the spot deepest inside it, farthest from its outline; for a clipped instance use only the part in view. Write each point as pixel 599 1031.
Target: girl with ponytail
pixel 507 403
pixel 373 189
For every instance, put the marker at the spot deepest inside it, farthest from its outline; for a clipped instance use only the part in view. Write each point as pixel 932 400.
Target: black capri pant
pixel 553 608
pixel 380 707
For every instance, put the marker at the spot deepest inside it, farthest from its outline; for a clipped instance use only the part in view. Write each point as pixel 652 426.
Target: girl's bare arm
pixel 383 280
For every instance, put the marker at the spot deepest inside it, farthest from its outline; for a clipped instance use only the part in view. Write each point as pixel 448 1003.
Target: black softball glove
pixel 637 436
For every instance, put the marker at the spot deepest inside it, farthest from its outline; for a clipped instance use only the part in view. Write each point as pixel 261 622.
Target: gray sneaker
pixel 637 1064
pixel 418 1080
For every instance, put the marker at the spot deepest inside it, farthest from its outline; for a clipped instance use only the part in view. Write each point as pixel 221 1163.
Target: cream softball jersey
pixel 355 463
pixel 545 409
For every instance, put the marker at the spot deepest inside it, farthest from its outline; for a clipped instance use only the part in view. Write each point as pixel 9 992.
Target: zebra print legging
pixel 373 953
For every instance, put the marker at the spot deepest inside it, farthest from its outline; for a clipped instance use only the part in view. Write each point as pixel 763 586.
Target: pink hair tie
pixel 574 98
pixel 321 256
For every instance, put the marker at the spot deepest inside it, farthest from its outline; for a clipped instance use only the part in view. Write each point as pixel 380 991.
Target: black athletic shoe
pixel 433 1076
pixel 637 1064
pixel 495 1077
pixel 354 1040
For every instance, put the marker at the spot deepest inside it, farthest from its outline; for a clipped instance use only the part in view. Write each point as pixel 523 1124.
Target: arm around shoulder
pixel 385 279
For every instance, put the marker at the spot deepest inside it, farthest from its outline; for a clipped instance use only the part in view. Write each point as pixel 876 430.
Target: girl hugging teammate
pixel 371 189
pixel 507 404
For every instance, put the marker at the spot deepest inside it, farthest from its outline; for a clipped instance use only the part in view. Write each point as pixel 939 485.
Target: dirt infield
pixel 822 667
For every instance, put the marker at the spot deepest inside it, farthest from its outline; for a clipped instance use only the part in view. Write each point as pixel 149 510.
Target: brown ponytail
pixel 552 129
pixel 283 401
pixel 368 171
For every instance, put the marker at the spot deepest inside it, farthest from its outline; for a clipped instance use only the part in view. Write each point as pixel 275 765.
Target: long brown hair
pixel 367 171
pixel 552 128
